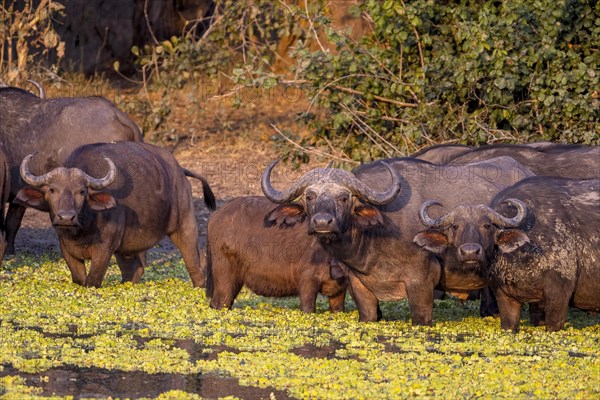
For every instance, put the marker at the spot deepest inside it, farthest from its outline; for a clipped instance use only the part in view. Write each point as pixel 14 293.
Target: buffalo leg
pixel 556 301
pixel 336 303
pixel 14 216
pixel 510 311
pixel 98 268
pixel 366 302
pixel 308 289
pixel 131 268
pixel 488 306
pixel 224 279
pixel 420 288
pixel 76 266
pixel 536 314
pixel 225 290
pixel 308 297
pixel 186 240
pixel 420 301
pixel 143 260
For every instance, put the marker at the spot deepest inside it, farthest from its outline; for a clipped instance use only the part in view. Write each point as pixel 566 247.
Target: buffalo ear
pixel 432 240
pixel 367 216
pixel 100 201
pixel 32 197
pixel 510 240
pixel 285 215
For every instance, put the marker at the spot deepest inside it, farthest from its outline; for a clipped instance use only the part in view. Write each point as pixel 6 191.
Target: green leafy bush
pixel 462 71
pixel 426 72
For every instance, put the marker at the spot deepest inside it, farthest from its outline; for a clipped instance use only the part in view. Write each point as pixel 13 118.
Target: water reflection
pixel 103 383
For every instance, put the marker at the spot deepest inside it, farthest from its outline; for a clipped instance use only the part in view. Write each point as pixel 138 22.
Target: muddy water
pixel 69 380
pixel 78 382
pixel 103 383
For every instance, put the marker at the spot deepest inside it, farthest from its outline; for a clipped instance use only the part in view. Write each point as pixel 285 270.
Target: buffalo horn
pixel 501 220
pixel 359 188
pixel 342 177
pixel 281 197
pixel 30 178
pixel 39 87
pixel 427 220
pixel 100 183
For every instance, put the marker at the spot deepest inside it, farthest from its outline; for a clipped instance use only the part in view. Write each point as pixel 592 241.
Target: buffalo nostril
pixel 65 218
pixel 322 221
pixel 470 249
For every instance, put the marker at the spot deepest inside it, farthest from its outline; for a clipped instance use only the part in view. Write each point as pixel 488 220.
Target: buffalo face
pixel 330 199
pixel 329 207
pixel 65 192
pixel 471 233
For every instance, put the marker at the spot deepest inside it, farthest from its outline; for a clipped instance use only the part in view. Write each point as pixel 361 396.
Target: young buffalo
pixel 270 262
pixel 143 196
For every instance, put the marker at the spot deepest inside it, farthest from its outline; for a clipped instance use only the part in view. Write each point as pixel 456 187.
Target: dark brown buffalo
pixel 567 161
pixel 542 158
pixel 553 258
pixel 142 196
pixel 52 128
pixel 546 254
pixel 270 262
pixel 461 240
pixel 367 220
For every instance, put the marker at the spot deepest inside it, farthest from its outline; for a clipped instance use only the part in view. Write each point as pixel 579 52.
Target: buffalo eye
pixel 82 192
pixel 344 199
pixel 487 226
pixel 310 197
pixel 52 190
pixel 454 227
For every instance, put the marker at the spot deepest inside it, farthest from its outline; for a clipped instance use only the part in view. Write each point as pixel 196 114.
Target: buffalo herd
pixel 520 222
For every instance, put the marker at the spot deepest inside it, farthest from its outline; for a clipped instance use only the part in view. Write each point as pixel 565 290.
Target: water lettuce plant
pixel 164 326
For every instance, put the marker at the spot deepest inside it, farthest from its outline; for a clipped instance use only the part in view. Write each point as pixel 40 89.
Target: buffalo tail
pixel 209 197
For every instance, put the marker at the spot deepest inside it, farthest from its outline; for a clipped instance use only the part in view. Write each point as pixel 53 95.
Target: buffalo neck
pixel 359 248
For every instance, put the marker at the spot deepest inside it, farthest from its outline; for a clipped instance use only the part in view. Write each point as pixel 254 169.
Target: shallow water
pixel 102 383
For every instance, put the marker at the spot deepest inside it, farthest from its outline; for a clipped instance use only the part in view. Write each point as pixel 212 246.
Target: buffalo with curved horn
pixel 466 229
pixel 54 128
pixel 553 259
pixel 142 197
pixel 366 219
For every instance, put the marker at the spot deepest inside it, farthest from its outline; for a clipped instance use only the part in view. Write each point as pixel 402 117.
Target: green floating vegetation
pixel 164 325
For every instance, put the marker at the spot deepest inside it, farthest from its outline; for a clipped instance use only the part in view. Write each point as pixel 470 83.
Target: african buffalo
pixel 367 220
pixel 553 256
pixel 542 158
pixel 143 196
pixel 53 128
pixel 460 239
pixel 282 262
pixel 567 161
